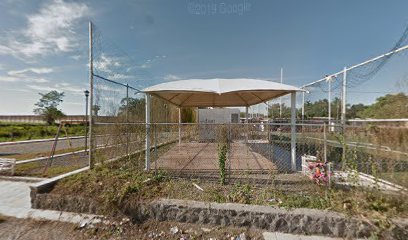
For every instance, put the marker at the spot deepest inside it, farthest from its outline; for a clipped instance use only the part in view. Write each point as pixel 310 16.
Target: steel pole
pixel 147 151
pixel 86 123
pixel 303 107
pixel 91 91
pixel 280 99
pixel 293 131
pixel 329 100
pixel 127 120
pixel 344 100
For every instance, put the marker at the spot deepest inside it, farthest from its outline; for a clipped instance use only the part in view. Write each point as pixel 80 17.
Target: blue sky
pixel 43 44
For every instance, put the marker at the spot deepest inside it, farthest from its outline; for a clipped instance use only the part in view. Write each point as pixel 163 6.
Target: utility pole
pixel 91 140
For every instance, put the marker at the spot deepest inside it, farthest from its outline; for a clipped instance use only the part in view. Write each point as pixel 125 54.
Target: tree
pixel 135 108
pixel 388 106
pixel 95 109
pixel 47 106
pixel 356 110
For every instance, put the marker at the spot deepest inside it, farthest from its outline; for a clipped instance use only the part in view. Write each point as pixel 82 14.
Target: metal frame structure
pixel 344 81
pixel 148 123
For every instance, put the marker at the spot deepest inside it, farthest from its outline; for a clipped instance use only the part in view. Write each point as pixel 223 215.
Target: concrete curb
pixel 45 158
pixel 48 184
pixel 22 179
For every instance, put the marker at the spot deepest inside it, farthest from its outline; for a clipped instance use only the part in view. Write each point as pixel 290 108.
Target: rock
pixel 206 229
pixel 241 237
pixel 174 230
pixel 82 225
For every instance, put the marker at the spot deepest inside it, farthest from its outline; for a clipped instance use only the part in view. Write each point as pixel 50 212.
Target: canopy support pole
pixel 147 152
pixel 179 124
pixel 293 131
pixel 246 114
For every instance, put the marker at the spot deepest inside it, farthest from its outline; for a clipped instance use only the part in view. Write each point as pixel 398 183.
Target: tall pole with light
pixel 86 119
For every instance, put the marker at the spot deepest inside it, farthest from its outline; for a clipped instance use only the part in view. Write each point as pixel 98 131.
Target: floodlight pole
pixel 293 130
pixel 344 96
pixel 147 152
pixel 329 100
pixel 91 140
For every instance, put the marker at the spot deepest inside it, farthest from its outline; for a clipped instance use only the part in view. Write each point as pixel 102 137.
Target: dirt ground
pixel 20 229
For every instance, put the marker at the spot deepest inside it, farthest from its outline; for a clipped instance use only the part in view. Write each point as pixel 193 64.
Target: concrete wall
pixel 208 117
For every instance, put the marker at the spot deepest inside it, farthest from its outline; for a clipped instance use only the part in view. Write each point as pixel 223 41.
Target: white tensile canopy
pixel 219 92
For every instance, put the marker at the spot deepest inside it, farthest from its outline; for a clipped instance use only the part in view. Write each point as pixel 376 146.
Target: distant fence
pixel 72 119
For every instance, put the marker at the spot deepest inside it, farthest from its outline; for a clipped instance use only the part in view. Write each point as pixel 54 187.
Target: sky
pixel 44 44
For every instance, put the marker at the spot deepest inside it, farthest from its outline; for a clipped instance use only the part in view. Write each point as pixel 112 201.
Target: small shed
pixel 218 92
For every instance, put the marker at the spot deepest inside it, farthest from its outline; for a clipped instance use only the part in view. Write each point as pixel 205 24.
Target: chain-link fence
pixel 322 149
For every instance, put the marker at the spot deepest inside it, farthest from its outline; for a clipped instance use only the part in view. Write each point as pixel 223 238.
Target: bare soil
pixel 21 229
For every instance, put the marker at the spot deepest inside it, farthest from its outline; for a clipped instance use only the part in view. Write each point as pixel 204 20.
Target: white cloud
pixel 22 79
pixel 21 75
pixel 33 70
pixel 41 88
pixel 145 65
pixel 61 87
pixel 105 63
pixel 76 57
pixel 51 30
pixel 149 62
pixel 120 76
pixel 171 77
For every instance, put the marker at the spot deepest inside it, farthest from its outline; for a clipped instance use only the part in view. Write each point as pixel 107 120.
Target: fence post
pixel 127 120
pixel 156 156
pixel 325 143
pixel 179 125
pixel 147 152
pixel 91 91
pixel 293 131
pixel 229 151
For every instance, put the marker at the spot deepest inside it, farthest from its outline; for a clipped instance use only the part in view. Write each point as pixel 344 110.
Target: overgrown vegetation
pixel 36 169
pixel 388 106
pixel 222 158
pixel 21 131
pixel 118 184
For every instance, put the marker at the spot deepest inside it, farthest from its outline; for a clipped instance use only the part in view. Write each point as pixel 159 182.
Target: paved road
pixel 38 147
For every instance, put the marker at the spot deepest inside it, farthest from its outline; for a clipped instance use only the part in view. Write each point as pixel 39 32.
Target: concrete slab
pixel 194 156
pixel 15 202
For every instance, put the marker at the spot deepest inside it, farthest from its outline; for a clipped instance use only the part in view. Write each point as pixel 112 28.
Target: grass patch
pixel 400 178
pixel 36 169
pixel 17 132
pixel 26 156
